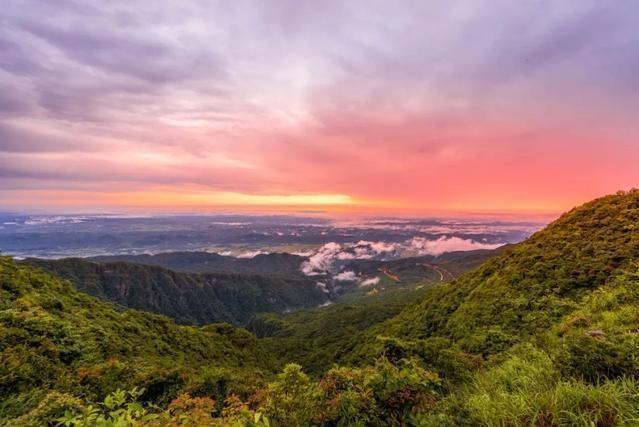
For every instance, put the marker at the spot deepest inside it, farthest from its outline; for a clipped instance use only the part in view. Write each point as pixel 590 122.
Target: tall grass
pixel 527 390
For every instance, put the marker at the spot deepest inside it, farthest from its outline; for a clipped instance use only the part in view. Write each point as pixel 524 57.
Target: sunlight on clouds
pixel 171 198
pixel 270 199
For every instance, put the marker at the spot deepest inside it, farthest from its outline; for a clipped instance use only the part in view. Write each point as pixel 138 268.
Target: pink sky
pixel 358 106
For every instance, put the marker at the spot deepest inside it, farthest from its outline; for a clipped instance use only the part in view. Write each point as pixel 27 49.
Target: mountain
pixel 188 298
pixel 532 285
pixel 58 344
pixel 207 262
pixel 318 338
pixel 425 270
pixel 545 334
pixel 235 297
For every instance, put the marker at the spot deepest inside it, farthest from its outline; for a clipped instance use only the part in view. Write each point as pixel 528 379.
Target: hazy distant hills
pixel 60 236
pixel 205 262
pixel 189 298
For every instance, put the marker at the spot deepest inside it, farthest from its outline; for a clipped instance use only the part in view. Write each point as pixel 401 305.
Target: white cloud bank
pixel 448 244
pixel 251 254
pixel 329 258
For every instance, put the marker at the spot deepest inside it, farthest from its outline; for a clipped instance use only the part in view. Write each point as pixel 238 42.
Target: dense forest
pixel 189 298
pixel 206 262
pixel 544 332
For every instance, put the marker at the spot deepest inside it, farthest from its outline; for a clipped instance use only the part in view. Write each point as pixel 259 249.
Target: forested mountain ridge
pixel 200 298
pixel 58 344
pixel 208 262
pixel 534 283
pixel 319 338
pixel 188 298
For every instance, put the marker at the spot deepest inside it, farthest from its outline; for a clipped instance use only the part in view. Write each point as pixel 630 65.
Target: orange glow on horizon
pixel 169 200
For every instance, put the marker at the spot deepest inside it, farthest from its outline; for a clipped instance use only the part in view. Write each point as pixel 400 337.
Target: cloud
pixel 345 276
pixel 322 287
pixel 303 253
pixel 332 255
pixel 386 107
pixel 369 282
pixel 322 260
pixel 251 254
pixel 448 244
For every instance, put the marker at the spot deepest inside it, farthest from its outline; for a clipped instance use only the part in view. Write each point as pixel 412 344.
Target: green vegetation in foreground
pixel 59 345
pixel 545 334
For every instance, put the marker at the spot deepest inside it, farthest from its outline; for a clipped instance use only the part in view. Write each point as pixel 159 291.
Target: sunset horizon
pixel 298 213
pixel 355 107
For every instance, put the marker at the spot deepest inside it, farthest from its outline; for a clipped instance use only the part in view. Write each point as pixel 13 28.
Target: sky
pixel 432 107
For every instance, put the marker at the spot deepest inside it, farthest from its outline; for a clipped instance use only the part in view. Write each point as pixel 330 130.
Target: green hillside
pixel 532 285
pixel 208 262
pixel 58 344
pixel 187 297
pixel 544 334
pixel 552 319
pixel 319 338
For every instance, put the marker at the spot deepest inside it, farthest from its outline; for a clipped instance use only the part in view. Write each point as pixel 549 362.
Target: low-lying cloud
pixel 331 257
pixel 251 254
pixel 346 276
pixel 369 282
pixel 448 244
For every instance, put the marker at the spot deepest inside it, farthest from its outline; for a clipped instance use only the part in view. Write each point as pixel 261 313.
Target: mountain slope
pixel 318 338
pixel 545 334
pixel 187 297
pixel 207 262
pixel 54 339
pixel 524 292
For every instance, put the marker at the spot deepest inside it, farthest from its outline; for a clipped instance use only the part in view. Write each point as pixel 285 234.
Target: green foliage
pixel 528 390
pixel 122 409
pixel 544 334
pixel 383 394
pixel 119 409
pixel 316 339
pixel 55 341
pixel 189 298
pixel 600 340
pixel 288 401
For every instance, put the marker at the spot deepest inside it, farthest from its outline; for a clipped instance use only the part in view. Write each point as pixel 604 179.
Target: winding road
pixel 440 270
